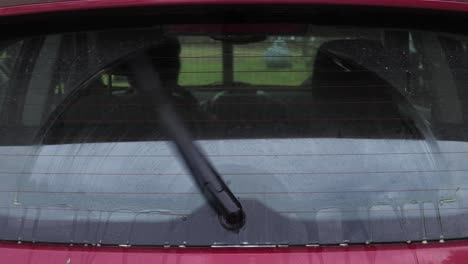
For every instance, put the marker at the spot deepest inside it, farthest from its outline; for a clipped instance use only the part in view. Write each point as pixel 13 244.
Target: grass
pixel 255 71
pixel 201 64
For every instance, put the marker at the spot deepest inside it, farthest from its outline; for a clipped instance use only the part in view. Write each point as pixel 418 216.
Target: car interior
pixel 339 99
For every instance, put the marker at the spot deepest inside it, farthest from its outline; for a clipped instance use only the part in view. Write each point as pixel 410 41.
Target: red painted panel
pixel 449 252
pixel 102 4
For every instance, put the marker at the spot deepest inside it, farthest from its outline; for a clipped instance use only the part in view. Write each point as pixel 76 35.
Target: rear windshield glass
pixel 326 135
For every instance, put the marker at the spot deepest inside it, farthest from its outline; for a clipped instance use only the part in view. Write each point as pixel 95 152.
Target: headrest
pixel 339 73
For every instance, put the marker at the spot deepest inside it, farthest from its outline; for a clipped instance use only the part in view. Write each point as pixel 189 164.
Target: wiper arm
pixel 208 180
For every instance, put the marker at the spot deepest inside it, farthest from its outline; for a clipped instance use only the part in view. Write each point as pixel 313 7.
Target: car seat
pixel 247 113
pixel 352 100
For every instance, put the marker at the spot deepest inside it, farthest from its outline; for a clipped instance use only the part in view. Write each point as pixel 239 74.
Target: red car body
pixel 404 253
pixel 73 5
pixel 449 252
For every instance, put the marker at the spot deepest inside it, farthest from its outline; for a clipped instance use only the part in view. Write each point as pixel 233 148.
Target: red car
pixel 212 131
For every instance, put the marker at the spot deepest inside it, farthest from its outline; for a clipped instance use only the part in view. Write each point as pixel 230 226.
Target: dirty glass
pixel 326 135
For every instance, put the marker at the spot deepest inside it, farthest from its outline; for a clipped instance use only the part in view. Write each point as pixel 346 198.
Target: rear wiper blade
pixel 208 180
